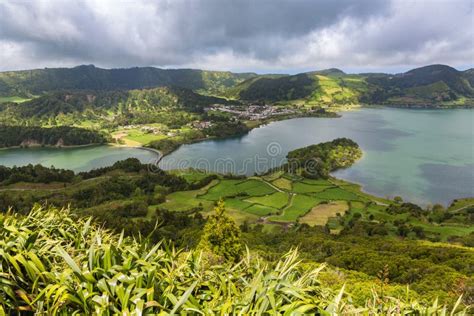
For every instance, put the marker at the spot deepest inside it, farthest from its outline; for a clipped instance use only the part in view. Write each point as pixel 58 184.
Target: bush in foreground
pixel 52 262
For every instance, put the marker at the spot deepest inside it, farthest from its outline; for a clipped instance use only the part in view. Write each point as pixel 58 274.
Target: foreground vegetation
pixel 331 221
pixel 52 262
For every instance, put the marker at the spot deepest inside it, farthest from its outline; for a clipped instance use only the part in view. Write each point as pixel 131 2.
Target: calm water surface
pixel 77 159
pixel 425 156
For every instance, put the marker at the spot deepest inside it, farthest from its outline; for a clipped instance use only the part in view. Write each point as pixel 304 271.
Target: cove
pixel 77 159
pixel 424 156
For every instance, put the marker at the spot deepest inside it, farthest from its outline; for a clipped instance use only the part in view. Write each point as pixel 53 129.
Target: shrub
pixel 52 263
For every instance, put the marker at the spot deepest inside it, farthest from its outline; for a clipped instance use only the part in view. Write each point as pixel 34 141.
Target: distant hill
pixel 73 107
pixel 429 86
pixel 328 72
pixel 38 81
pixel 277 89
pixel 469 75
pixel 435 85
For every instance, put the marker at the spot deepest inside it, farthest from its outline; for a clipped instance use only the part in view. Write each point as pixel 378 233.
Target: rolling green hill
pixel 107 107
pixel 39 81
pixel 429 86
pixel 435 84
pixel 278 89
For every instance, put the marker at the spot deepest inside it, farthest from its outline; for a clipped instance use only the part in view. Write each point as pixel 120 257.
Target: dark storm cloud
pixel 235 34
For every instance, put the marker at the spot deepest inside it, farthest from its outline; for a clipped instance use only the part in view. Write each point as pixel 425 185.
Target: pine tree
pixel 221 235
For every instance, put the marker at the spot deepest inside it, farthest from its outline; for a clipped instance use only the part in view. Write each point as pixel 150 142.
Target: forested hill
pixel 117 107
pixel 435 85
pixel 38 81
pixel 429 86
pixel 26 136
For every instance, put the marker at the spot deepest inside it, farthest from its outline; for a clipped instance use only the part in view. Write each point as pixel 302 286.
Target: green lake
pixel 425 156
pixel 77 159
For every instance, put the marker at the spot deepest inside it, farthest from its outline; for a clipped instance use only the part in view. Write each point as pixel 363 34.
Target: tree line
pixel 53 136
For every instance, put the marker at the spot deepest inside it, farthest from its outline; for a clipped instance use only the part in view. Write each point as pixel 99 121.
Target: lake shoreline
pixel 377 173
pixel 259 124
pixel 54 146
pixel 381 132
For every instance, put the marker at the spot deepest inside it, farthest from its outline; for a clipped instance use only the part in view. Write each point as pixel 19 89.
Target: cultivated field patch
pixel 283 183
pixel 276 200
pixel 300 205
pixel 320 214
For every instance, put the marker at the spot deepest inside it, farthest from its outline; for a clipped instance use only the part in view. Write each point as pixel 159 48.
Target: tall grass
pixel 53 263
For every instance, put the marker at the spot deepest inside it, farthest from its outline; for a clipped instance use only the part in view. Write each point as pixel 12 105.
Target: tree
pixel 221 235
pixel 398 199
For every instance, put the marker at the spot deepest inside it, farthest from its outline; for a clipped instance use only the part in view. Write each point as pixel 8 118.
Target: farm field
pixel 274 199
pixel 281 200
pixel 320 213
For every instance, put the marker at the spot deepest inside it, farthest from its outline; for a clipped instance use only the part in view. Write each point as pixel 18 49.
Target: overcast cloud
pixel 239 35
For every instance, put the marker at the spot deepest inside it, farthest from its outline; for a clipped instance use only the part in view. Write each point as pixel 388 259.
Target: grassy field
pixel 283 184
pixel 282 198
pixel 300 205
pixel 300 187
pixel 142 135
pixel 190 175
pixel 277 200
pixel 261 210
pixel 335 194
pixel 14 99
pixel 232 188
pixel 320 214
pixel 461 204
pixel 186 200
pixel 136 137
pixel 335 90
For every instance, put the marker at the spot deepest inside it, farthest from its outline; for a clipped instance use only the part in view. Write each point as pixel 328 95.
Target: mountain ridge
pixel 428 86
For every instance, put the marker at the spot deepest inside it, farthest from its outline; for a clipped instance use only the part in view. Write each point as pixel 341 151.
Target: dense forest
pixel 89 77
pixel 34 174
pixel 278 89
pixel 26 136
pixel 109 108
pixel 317 161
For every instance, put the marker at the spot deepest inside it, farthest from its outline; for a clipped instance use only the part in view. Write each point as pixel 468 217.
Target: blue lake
pixel 425 156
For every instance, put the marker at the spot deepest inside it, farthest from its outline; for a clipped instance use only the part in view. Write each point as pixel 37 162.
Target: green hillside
pixel 278 89
pixel 373 248
pixel 39 81
pixel 156 105
pixel 29 136
pixel 430 86
pixel 435 85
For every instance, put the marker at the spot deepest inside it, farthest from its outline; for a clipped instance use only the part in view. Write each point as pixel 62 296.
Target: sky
pixel 264 36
